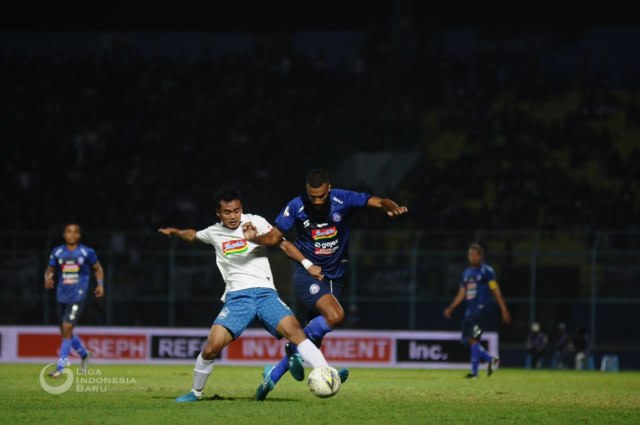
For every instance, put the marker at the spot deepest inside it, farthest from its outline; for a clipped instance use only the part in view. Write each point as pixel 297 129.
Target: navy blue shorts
pixel 309 289
pixel 479 320
pixel 70 312
pixel 241 307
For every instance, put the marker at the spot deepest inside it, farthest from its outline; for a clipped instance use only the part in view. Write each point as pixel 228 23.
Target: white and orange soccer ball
pixel 324 381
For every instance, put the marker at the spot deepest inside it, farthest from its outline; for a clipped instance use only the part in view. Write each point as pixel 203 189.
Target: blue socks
pixel 315 331
pixel 65 348
pixel 77 345
pixel 280 369
pixel 477 354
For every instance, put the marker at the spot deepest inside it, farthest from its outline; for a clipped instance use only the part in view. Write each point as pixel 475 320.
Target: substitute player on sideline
pixel 249 292
pixel 478 282
pixel 72 263
pixel 322 219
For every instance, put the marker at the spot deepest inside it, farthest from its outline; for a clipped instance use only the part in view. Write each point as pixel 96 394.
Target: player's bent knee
pixel 289 327
pixel 66 329
pixel 211 350
pixel 335 318
pixel 210 353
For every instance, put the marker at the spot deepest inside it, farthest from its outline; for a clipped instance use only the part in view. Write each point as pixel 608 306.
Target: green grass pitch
pixel 371 396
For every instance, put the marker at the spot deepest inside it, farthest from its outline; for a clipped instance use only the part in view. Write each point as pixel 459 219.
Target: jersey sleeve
pixel 491 278
pixel 262 225
pixel 286 219
pixel 92 257
pixel 357 199
pixel 490 274
pixel 204 235
pixel 52 258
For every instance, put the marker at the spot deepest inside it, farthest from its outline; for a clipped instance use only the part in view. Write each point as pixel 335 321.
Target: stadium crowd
pixel 507 137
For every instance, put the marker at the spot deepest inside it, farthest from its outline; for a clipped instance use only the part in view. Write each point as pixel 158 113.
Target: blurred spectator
pixel 582 347
pixel 560 347
pixel 537 345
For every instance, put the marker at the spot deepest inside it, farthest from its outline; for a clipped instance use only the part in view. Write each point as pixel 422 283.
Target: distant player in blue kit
pixel 478 283
pixel 72 263
pixel 321 217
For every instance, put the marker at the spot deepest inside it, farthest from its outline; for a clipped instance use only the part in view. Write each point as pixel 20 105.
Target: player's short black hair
pixel 477 248
pixel 317 177
pixel 71 223
pixel 227 194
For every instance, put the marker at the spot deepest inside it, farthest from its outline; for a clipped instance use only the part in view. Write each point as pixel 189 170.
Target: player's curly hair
pixel 317 177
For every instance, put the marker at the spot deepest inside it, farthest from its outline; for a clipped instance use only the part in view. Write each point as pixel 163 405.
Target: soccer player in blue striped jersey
pixel 72 263
pixel 321 217
pixel 477 284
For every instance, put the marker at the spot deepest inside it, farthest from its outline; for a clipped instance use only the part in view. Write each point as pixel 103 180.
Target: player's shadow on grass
pixel 217 397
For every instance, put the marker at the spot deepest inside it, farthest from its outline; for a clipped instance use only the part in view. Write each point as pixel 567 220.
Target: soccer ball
pixel 324 381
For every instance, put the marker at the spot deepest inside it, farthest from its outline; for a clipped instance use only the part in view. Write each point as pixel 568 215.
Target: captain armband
pixel 493 284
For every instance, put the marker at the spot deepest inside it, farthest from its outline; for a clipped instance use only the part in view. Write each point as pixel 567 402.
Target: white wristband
pixel 306 263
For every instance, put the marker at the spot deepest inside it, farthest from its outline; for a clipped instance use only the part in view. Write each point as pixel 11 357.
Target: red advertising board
pixel 346 349
pixel 101 346
pixel 264 348
pixel 357 349
pixel 343 348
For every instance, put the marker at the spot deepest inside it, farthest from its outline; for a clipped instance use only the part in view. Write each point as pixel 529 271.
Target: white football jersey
pixel 243 264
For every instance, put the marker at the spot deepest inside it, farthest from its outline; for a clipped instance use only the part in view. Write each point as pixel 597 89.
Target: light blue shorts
pixel 241 307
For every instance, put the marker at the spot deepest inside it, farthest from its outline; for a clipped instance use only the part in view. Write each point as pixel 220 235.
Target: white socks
pixel 311 354
pixel 200 374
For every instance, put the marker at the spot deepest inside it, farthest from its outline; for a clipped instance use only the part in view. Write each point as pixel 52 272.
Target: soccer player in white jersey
pixel 249 292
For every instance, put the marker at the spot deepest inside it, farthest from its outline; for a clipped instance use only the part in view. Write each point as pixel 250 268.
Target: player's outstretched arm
pixel 504 311
pixel 99 272
pixel 455 303
pixel 48 277
pixel 272 238
pixel 294 253
pixel 188 235
pixel 389 206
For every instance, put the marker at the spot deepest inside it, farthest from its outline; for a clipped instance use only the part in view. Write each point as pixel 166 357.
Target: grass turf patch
pixel 144 394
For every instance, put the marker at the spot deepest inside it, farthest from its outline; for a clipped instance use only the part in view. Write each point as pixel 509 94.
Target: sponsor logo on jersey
pixel 70 268
pixel 237 246
pixel 70 273
pixel 338 200
pixel 286 212
pixel 472 289
pixel 321 234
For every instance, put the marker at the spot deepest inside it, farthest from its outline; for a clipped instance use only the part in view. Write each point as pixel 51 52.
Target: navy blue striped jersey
pixel 324 240
pixel 73 269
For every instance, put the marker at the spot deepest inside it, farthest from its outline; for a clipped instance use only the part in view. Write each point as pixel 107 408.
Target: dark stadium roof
pixel 304 14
